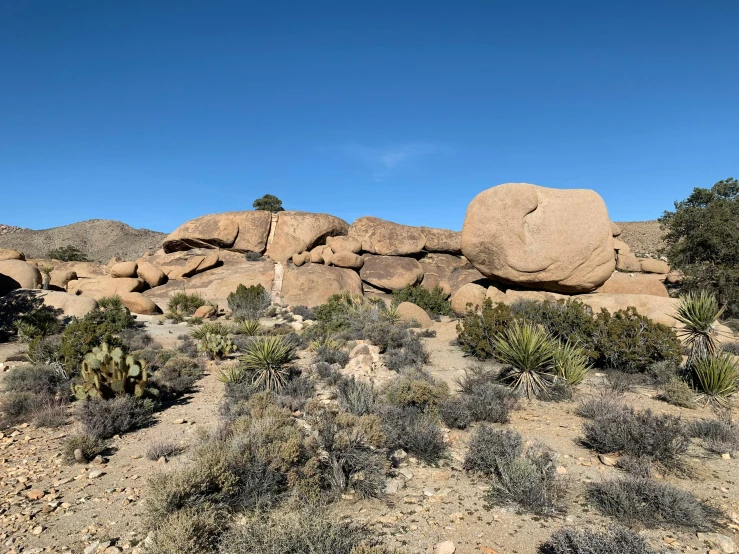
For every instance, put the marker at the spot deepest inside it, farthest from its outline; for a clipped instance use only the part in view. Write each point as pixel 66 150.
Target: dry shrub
pixel 614 540
pixel 106 418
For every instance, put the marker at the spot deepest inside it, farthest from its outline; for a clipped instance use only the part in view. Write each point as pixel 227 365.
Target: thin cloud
pixel 381 162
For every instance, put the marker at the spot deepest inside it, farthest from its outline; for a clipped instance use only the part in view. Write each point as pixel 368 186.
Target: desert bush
pixel 182 305
pixel 528 354
pixel 101 325
pixel 293 531
pixel 412 430
pixel 434 301
pixel 660 439
pixel 649 503
pixel 45 350
pixel 249 302
pixel 177 375
pixel 614 540
pixel 715 378
pixel 67 253
pixel 296 392
pixel 417 389
pixel 717 435
pixel 308 314
pixel 328 373
pixel 212 328
pixel 411 354
pixel 37 379
pixel 155 358
pixel 490 449
pixel 593 407
pixel 664 372
pixel 137 339
pixel 89 445
pixel 455 412
pixel 38 323
pixel 356 396
pixel 477 331
pixel 196 529
pixel 162 448
pixel 188 347
pixel 476 376
pixel 16 407
pixel 253 256
pixel 267 360
pixel 106 418
pixel 331 355
pixel 50 414
pixel 678 393
pixel 570 363
pixel 491 403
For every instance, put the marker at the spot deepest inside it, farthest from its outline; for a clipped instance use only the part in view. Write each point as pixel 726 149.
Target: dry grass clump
pixel 717 435
pixel 414 431
pixel 163 448
pixel 106 418
pixel 87 444
pixel 614 540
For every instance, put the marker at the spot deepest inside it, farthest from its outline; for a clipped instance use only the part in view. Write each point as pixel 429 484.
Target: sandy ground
pixel 435 504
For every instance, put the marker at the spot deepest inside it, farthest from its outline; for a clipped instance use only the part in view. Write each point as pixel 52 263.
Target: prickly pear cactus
pixel 110 372
pixel 217 346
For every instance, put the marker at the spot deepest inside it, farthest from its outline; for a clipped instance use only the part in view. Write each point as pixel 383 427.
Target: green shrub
pixel 614 540
pixel 249 302
pixel 216 346
pixel 490 449
pixel 699 313
pixel 678 393
pixel 570 363
pixel 416 389
pixel 88 445
pixel 104 419
pixel 177 375
pixel 717 435
pixel 308 314
pixel 212 328
pixel 416 432
pixel 192 529
pixel 182 305
pixel 37 324
pixel 332 355
pixel 528 354
pixel 477 331
pixel 715 378
pixel 434 301
pixel 248 328
pixel 268 360
pixel 649 503
pixel 269 203
pixel 67 253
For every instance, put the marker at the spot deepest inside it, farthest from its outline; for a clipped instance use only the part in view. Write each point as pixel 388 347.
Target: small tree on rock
pixel 268 203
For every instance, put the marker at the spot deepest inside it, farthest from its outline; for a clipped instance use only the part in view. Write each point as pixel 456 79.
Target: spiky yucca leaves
pixel 211 328
pixel 570 363
pixel 268 359
pixel 248 328
pixel 230 373
pixel 528 352
pixel 716 378
pixel 699 313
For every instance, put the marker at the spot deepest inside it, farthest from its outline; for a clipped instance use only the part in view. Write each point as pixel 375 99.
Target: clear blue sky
pixel 154 112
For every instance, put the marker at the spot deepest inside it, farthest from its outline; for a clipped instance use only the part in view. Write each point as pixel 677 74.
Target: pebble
pixel 446 547
pixel 725 544
pixel 95 473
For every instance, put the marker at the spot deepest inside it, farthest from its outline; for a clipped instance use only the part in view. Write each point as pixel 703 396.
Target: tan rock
pixel 541 238
pixel 300 259
pixel 516 295
pixel 244 231
pixel 656 308
pixel 390 272
pixel 316 255
pixel 621 247
pixel 17 274
pixel 468 297
pixel 199 264
pixel 633 283
pixel 460 277
pixel 137 303
pixel 345 259
pixel 408 311
pixel 150 273
pixel 615 230
pixel 650 265
pixel 300 231
pixel 68 305
pixel 442 240
pixel 205 311
pixel 313 284
pixel 344 244
pixel 675 277
pixel 124 269
pixel 99 287
pixel 60 278
pixel 10 254
pixel 437 268
pixel 387 238
pixel 114 260
pixel 628 262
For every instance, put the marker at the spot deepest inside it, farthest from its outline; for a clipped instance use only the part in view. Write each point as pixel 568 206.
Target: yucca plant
pixel 248 327
pixel 528 351
pixel 212 328
pixel 268 359
pixel 715 378
pixel 390 312
pixel 699 314
pixel 231 373
pixel 570 363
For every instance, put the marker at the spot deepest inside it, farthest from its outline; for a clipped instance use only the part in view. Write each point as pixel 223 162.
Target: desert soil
pixel 48 506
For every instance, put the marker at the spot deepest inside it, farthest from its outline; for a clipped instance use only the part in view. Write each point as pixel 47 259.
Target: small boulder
pixel 344 244
pixel 650 265
pixel 300 259
pixel 316 255
pixel 139 304
pixel 442 240
pixel 17 274
pixel 60 278
pixel 244 231
pixel 345 259
pixel 621 247
pixel 10 254
pixel 675 277
pixel 390 272
pixel 150 273
pixel 408 311
pixel 124 269
pixel 628 262
pixel 469 297
pixel 205 311
pixel 657 308
pixel 387 238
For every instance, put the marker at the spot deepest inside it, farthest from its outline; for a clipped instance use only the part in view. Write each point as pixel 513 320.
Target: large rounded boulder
pixel 311 285
pixel 296 232
pixel 386 238
pixel 245 231
pixel 17 274
pixel 390 272
pixel 537 237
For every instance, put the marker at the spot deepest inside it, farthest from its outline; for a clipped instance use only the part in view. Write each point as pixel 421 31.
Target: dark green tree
pixel 269 203
pixel 702 237
pixel 67 253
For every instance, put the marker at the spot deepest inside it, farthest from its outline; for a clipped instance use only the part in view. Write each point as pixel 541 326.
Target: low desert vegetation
pixel 182 305
pixel 249 303
pixel 434 301
pixel 613 540
pixel 67 253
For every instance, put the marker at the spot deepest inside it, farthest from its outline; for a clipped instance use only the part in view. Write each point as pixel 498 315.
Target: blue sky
pixel 154 112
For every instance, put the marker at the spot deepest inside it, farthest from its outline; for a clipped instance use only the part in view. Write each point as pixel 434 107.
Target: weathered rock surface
pixel 511 296
pixel 297 232
pixel 11 254
pixel 312 284
pixel 69 305
pixel 390 272
pixel 615 230
pixel 650 265
pixel 634 283
pixel 460 277
pixel 656 308
pixel 60 278
pixel 628 262
pixel 408 311
pixel 124 269
pixel 99 287
pixel 244 231
pixel 387 238
pixel 344 244
pixel 139 304
pixel 17 274
pixel 442 240
pixel 150 273
pixel 468 297
pixel 438 267
pixel 542 238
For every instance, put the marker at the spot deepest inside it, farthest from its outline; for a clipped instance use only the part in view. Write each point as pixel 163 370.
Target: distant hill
pixel 644 237
pixel 99 239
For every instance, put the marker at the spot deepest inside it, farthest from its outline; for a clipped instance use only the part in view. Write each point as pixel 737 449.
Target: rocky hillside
pixel 100 239
pixel 644 237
